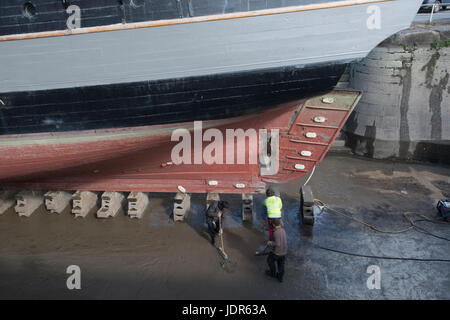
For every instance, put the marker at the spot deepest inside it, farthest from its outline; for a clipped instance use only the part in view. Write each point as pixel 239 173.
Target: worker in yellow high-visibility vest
pixel 273 206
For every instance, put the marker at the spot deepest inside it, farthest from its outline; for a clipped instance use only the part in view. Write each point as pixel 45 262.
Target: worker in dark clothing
pixel 214 213
pixel 278 251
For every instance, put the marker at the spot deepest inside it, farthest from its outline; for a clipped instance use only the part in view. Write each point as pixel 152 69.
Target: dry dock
pixel 157 259
pixel 404 111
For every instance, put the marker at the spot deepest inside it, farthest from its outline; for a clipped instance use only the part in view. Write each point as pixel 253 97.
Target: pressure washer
pixel 443 208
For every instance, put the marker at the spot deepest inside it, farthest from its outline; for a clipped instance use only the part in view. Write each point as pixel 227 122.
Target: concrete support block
pixel 7 201
pixel 307 196
pixel 181 205
pixel 27 202
pixel 247 207
pixel 83 203
pixel 57 201
pixel 307 205
pixel 111 204
pixel 137 202
pixel 211 197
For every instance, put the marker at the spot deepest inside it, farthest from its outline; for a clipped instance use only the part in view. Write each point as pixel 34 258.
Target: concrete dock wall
pixel 405 109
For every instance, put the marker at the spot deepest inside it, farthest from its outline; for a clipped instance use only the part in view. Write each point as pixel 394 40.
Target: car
pixel 445 4
pixel 427 5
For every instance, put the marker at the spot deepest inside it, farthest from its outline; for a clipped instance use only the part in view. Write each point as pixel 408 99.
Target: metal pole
pixel 432 11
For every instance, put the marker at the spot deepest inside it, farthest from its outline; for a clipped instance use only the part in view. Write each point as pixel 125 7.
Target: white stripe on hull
pixel 198 49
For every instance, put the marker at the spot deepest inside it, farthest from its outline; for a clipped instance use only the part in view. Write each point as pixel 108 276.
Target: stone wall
pixel 405 109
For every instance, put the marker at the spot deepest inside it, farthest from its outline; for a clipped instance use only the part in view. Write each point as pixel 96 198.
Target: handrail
pixel 432 9
pixel 209 18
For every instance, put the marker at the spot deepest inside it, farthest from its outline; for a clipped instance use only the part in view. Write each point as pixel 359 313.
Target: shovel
pixel 262 251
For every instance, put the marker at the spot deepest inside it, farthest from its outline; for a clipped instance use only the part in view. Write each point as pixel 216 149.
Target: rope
pixel 310 176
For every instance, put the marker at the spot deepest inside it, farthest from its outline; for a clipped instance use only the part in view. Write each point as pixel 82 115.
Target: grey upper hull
pixel 199 49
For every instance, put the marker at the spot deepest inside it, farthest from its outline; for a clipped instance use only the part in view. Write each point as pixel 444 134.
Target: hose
pixel 379 257
pixel 324 205
pixel 406 215
pixel 412 225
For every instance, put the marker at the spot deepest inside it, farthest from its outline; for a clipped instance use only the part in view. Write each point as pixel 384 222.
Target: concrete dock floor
pixel 154 258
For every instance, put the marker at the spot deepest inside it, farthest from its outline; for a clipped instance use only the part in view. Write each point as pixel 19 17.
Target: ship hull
pixel 177 70
pixel 163 101
pixel 93 108
pixel 142 158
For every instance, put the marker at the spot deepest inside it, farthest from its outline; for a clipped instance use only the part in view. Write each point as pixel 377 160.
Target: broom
pixel 222 249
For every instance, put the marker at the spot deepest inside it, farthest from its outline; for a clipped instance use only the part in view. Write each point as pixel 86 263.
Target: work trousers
pixel 213 228
pixel 280 261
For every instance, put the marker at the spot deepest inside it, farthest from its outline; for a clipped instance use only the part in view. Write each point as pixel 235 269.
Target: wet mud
pixel 155 258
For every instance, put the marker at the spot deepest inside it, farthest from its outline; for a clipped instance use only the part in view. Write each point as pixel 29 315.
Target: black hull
pixel 161 102
pixel 47 15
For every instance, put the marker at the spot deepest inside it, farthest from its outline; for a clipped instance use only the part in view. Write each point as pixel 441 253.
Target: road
pixel 441 17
